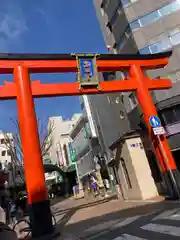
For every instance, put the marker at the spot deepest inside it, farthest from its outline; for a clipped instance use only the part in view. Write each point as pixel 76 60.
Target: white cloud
pixel 44 15
pixel 12 25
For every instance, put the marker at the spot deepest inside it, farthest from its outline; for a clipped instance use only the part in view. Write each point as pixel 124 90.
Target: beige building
pixel 133 170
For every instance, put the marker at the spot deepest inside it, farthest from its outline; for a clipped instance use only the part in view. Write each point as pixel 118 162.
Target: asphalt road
pixel 161 225
pixel 156 223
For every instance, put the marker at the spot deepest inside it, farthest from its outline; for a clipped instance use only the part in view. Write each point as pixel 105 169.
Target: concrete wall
pixel 142 184
pixel 141 168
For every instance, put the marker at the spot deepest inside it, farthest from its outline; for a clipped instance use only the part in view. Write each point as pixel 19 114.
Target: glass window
pixel 125 2
pixel 135 24
pixel 145 50
pixel 114 17
pixel 2 141
pixel 177 112
pixel 149 18
pixel 166 43
pixel 126 174
pixel 9 153
pixel 170 8
pixel 169 116
pixel 109 27
pixel 175 39
pixel 133 100
pixel 3 153
pixel 156 47
pixel 121 42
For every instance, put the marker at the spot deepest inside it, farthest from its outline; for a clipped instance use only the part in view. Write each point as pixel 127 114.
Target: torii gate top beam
pixel 49 63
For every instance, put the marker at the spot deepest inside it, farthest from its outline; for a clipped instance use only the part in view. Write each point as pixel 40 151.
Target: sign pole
pixel 145 100
pixel 169 168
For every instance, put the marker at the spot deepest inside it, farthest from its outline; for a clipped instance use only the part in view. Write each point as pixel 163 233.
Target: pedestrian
pixel 94 185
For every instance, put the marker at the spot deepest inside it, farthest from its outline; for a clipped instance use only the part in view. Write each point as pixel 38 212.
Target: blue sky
pixel 47 26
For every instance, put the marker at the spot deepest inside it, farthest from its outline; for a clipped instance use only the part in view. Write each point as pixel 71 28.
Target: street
pixel 116 220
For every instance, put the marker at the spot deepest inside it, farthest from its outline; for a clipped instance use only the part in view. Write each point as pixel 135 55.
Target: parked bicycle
pixel 23 228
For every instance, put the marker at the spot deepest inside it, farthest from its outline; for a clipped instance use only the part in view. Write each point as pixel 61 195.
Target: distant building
pixel 81 143
pixel 59 152
pixel 5 154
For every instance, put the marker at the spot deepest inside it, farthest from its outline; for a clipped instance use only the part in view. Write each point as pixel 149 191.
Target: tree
pixel 13 144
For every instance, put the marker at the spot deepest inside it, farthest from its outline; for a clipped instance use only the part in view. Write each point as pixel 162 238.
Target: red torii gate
pixel 23 90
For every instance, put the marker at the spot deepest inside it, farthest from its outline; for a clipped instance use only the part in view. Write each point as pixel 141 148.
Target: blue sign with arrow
pixel 155 121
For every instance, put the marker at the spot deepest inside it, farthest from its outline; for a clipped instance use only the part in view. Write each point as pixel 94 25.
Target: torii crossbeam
pixel 23 90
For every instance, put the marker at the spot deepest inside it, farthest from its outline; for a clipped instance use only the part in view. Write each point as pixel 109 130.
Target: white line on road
pixel 126 221
pixel 166 214
pixel 170 230
pixel 128 237
pixel 118 225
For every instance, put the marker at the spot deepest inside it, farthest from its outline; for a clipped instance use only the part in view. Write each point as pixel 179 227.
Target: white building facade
pixel 5 154
pixel 59 151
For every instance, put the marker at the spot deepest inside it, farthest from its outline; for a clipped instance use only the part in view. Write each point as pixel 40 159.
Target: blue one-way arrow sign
pixel 155 121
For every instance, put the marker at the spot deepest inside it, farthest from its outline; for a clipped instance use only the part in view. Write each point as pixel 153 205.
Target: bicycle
pixel 23 228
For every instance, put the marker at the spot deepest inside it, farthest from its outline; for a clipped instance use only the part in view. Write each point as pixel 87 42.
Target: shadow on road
pixel 103 224
pixel 86 205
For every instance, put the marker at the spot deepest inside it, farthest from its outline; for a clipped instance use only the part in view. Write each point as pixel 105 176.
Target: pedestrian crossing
pixel 165 224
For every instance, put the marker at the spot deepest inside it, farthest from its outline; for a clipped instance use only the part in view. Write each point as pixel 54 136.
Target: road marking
pixel 103 226
pixel 170 230
pixel 127 221
pixel 118 225
pixel 175 216
pixel 128 237
pixel 166 214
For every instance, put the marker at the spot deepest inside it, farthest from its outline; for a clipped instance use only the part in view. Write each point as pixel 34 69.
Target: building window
pixel 2 141
pixel 122 98
pixel 66 154
pixel 126 174
pixel 159 46
pixel 135 24
pixel 8 152
pixel 114 17
pixel 109 27
pixel 3 153
pixel 126 3
pixel 170 115
pixel 133 100
pixel 172 7
pixel 174 36
pixel 155 15
pixel 149 18
pixel 145 50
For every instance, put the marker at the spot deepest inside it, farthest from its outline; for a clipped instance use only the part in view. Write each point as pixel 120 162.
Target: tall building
pixel 142 27
pixel 147 27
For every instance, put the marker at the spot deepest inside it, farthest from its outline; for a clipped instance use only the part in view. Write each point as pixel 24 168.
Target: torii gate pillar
pixel 39 205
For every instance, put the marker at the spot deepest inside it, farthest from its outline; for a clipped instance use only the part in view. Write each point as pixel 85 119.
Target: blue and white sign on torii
pixel 155 121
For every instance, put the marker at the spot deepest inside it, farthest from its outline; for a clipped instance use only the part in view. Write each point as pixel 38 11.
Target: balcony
pixel 80 143
pixel 86 164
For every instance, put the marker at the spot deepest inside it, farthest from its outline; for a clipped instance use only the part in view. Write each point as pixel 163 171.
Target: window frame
pixel 125 173
pixel 3 151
